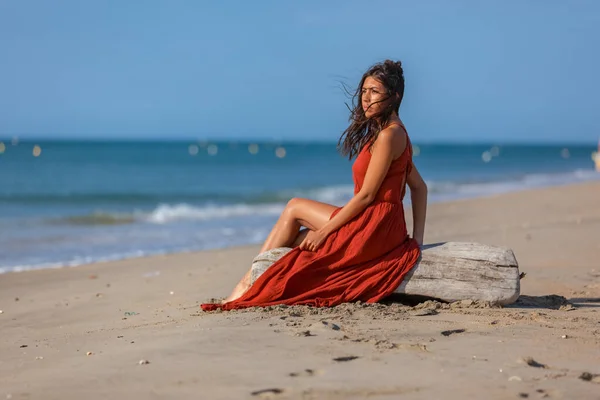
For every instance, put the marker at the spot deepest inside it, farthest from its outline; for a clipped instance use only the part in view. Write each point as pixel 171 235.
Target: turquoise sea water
pixel 78 202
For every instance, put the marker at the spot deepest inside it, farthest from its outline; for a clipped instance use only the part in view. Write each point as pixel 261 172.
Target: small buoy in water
pixel 280 152
pixel 416 150
pixel 486 156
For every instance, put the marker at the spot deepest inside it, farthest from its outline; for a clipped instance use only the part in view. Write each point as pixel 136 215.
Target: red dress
pixel 365 259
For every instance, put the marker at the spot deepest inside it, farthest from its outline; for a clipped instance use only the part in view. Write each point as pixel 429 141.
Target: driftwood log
pixel 449 271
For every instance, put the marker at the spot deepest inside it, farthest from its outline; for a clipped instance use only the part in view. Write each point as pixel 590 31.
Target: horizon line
pixel 191 140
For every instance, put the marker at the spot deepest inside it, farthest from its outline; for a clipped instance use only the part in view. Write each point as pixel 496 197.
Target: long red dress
pixel 365 259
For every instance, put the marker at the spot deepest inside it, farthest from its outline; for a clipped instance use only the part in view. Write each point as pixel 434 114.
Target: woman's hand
pixel 313 240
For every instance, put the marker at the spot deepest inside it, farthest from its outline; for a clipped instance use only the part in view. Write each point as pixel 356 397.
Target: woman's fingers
pixel 307 245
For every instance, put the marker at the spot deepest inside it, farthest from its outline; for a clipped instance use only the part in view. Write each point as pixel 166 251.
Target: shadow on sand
pixel 549 302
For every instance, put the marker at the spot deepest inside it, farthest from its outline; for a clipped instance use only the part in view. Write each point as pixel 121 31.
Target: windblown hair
pixel 363 130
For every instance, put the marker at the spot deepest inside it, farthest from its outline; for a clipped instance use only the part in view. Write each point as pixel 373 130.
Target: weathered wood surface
pixel 449 271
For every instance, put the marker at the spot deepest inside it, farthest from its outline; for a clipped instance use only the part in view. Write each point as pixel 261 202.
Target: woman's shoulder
pixel 399 128
pixel 395 136
pixel 395 129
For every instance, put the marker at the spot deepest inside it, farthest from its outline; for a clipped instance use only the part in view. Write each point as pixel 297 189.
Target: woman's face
pixel 373 96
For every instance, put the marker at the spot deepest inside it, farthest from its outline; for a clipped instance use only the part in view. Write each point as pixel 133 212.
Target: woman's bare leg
pixel 298 212
pixel 286 232
pixel 244 284
pixel 240 288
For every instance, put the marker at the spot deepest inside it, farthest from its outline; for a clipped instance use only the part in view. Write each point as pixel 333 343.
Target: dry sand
pixel 81 332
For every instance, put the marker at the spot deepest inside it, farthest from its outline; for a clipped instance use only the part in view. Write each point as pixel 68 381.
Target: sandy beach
pixel 133 328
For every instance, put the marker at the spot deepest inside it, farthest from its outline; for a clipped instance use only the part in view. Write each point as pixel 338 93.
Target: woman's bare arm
pixel 381 159
pixel 418 198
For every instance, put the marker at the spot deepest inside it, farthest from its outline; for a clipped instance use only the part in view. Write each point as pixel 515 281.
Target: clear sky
pixel 497 70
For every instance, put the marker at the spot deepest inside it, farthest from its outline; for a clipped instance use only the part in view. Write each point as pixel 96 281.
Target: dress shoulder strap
pixel 407 155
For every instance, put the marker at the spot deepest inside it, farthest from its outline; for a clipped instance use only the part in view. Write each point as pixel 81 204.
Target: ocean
pixel 66 203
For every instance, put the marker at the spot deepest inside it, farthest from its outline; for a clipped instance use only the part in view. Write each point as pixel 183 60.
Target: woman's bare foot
pixel 240 288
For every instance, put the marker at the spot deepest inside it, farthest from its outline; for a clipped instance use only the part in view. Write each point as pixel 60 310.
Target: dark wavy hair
pixel 363 130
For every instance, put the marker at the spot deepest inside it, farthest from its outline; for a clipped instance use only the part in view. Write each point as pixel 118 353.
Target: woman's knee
pixel 291 209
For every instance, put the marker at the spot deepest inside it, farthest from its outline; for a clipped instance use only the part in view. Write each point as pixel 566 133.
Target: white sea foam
pixel 165 213
pixel 442 191
pixel 74 262
pixel 220 238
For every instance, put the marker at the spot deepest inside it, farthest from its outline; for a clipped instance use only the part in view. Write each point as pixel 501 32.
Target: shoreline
pixel 110 259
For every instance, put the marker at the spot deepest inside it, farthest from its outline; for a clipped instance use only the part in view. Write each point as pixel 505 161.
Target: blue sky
pixel 501 71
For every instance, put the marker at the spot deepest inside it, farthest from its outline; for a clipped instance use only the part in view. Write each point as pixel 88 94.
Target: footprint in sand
pixel 343 359
pixel 325 329
pixel 331 325
pixel 304 333
pixel 306 372
pixel 452 331
pixel 270 393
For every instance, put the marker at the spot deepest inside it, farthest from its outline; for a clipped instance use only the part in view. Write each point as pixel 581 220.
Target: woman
pixel 360 251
